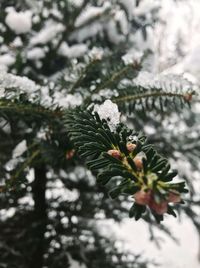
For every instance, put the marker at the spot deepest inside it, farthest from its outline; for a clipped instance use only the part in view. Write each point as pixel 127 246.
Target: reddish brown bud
pixel 130 147
pixel 158 208
pixel 115 153
pixel 174 197
pixel 138 163
pixel 70 154
pixel 188 97
pixel 142 197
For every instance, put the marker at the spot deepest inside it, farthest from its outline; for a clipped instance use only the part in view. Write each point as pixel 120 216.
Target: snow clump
pixel 110 112
pixel 19 22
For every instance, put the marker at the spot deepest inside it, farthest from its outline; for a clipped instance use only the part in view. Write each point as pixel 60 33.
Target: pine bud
pixel 174 197
pixel 158 208
pixel 130 147
pixel 188 97
pixel 70 154
pixel 138 163
pixel 142 197
pixel 115 153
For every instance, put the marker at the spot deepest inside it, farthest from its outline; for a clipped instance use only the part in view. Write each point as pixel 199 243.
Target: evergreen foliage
pixel 74 53
pixel 114 155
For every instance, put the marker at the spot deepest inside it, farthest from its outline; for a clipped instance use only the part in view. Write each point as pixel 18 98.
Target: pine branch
pixel 117 76
pixel 14 107
pixel 84 74
pixel 101 15
pixel 151 95
pixel 151 98
pixel 12 181
pixel 131 164
pixel 73 28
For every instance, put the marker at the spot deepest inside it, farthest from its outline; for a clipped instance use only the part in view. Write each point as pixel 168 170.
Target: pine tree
pixel 70 160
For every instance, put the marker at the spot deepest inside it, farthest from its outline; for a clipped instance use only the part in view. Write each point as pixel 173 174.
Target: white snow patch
pixel 145 7
pixel 96 53
pixel 129 5
pixel 7 60
pixel 19 149
pixel 91 12
pixel 19 22
pixel 121 18
pixel 113 34
pixel 49 32
pixel 7 213
pixel 35 53
pixel 74 51
pixel 17 42
pixel 26 201
pixel 77 3
pixel 87 32
pixel 20 83
pixel 68 100
pixel 46 99
pixel 132 56
pixel 166 82
pixel 58 191
pixel 110 112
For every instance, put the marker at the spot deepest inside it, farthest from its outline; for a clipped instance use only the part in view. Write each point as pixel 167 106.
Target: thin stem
pixel 6 105
pixel 147 95
pixel 27 163
pixel 83 75
pixel 114 77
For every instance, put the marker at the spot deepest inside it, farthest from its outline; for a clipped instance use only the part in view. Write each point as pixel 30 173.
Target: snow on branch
pixel 20 83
